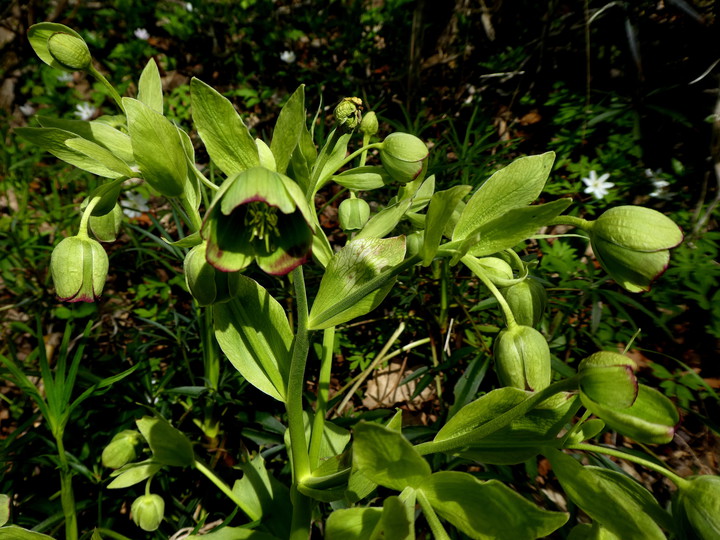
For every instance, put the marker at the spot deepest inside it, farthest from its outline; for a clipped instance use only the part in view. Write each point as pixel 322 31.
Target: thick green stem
pixel 677 480
pixel 475 267
pixel 436 527
pixel 113 93
pixel 67 497
pixel 572 221
pixel 322 396
pixel 222 486
pixel 498 422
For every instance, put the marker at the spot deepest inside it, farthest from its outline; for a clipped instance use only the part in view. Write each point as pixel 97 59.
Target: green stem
pixel 572 221
pixel 113 93
pixel 222 486
pixel 67 497
pixel 577 426
pixel 475 267
pixel 498 422
pixel 92 203
pixel 677 480
pixel 436 527
pixel 322 396
pixel 358 152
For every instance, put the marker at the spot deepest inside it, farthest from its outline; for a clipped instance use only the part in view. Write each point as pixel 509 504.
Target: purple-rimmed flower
pixel 258 215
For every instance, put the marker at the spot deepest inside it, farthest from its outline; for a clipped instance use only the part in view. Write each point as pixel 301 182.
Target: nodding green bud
pixel 608 379
pixel 404 157
pixel 496 270
pixel 79 267
pixel 121 449
pixel 522 358
pixel 106 227
pixel 353 214
pixel 69 51
pixel 147 511
pixel 348 113
pixel 207 284
pixel 632 244
pixel 414 243
pixel 696 508
pixel 369 125
pixel 527 301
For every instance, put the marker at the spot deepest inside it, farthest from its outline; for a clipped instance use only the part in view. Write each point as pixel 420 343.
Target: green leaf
pixel 134 473
pixel 96 131
pixel 13 532
pixel 352 523
pixel 387 458
pixel 221 129
pixel 422 196
pixel 302 159
pixel 384 221
pixel 618 503
pixel 487 510
pixel 101 155
pixel 516 185
pixel 588 430
pixel 287 130
pixel 363 178
pixel 442 206
pixel 53 140
pixel 264 497
pixel 352 268
pixel 651 419
pixel 512 227
pixel 5 502
pixel 168 445
pixel 233 533
pixel 38 35
pixel 255 335
pixel 397 520
pixel 585 531
pixel 150 87
pixel 157 148
pixel 335 158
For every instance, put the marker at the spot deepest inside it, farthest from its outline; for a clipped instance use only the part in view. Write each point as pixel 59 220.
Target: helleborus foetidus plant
pixel 263 212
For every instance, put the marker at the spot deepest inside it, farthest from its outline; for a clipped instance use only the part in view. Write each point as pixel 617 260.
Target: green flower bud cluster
pixel 353 214
pixel 79 267
pixel 348 113
pixel 147 511
pixel 522 358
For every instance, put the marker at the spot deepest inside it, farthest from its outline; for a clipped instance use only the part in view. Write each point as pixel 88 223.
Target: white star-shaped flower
pixel 141 33
pixel 85 111
pixel 134 205
pixel 65 77
pixel 597 186
pixel 27 109
pixel 288 56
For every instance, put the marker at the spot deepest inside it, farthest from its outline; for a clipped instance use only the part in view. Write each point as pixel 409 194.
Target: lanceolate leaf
pixel 101 155
pixel 354 266
pixel 352 523
pixel 385 220
pixel 442 206
pixel 514 186
pixel 150 87
pixel 169 446
pixel 254 333
pixel 226 138
pixel 287 130
pixel 13 532
pixel 487 510
pixel 96 131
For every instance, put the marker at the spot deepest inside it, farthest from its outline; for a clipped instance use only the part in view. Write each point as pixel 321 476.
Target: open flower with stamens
pixel 259 215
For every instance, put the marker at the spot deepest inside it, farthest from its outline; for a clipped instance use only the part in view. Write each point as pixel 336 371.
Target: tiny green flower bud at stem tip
pixel 69 51
pixel 369 124
pixel 147 511
pixel 348 113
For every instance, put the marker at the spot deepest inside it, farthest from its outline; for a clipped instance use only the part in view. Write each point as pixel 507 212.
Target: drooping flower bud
pixel 79 267
pixel 106 227
pixel 522 358
pixel 696 508
pixel 121 449
pixel 69 51
pixel 608 379
pixel 353 214
pixel 527 301
pixel 348 113
pixel 369 125
pixel 632 244
pixel 147 511
pixel 207 284
pixel 404 156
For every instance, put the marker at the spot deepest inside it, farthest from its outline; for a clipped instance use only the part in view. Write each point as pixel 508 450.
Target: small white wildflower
pixel 598 186
pixel 188 6
pixel 65 77
pixel 27 109
pixel 141 33
pixel 134 205
pixel 288 56
pixel 85 111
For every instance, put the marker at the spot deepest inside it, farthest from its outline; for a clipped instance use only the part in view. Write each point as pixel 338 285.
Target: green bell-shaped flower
pixel 608 379
pixel 122 449
pixel 632 244
pixel 106 227
pixel 259 215
pixel 353 214
pixel 696 508
pixel 147 511
pixel 527 301
pixel 207 284
pixel 70 51
pixel 79 267
pixel 522 358
pixel 404 156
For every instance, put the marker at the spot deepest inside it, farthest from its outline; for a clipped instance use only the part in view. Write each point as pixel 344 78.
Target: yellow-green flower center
pixel 262 219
